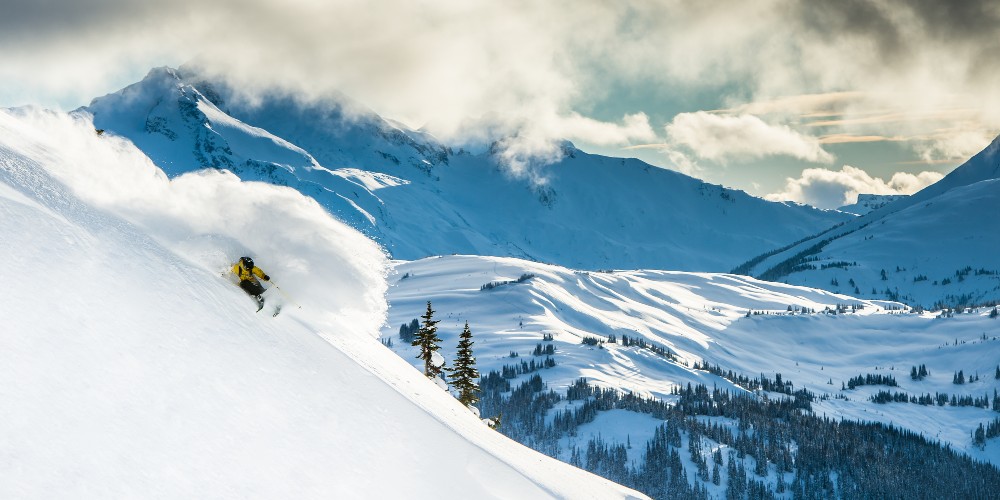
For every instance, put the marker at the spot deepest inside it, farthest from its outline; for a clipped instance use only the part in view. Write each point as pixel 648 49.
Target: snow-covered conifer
pixel 463 374
pixel 427 340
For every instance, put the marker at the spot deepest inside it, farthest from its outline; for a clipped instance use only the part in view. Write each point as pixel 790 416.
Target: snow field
pixel 702 317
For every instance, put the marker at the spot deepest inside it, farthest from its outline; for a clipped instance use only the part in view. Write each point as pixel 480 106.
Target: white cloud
pixel 465 70
pixel 825 188
pixel 724 137
pixel 634 127
pixel 956 144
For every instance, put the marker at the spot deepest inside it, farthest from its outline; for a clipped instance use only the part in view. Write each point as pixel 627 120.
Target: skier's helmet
pixel 247 262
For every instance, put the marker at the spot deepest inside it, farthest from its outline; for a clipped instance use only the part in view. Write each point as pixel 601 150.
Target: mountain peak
pixel 163 72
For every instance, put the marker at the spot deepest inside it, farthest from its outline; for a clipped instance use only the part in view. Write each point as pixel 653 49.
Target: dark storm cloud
pixel 968 25
pixel 898 29
pixel 850 18
pixel 969 20
pixel 40 21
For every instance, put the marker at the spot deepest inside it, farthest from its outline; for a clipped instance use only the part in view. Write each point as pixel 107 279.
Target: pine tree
pixel 463 374
pixel 427 340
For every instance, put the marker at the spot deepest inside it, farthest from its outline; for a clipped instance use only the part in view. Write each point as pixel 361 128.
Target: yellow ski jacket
pixel 248 274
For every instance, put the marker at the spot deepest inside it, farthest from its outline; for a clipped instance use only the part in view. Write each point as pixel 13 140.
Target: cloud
pixel 720 137
pixel 465 70
pixel 955 144
pixel 853 138
pixel 831 103
pixel 474 69
pixel 825 188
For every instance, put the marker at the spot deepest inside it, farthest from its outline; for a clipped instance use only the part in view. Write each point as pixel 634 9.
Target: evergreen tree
pixel 427 340
pixel 463 374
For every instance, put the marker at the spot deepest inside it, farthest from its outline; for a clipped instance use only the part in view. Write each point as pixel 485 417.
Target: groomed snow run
pixel 130 368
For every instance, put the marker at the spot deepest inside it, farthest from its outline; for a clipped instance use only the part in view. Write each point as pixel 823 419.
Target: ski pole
pixel 288 297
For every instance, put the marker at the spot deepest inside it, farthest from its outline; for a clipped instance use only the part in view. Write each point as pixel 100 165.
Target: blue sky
pixel 813 102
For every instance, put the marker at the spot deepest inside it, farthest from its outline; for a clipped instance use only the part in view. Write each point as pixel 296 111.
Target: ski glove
pixel 267 278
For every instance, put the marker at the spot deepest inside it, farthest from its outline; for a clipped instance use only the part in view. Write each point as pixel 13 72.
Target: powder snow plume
pixel 212 218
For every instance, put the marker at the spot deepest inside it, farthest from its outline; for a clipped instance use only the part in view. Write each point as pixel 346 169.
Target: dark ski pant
pixel 252 287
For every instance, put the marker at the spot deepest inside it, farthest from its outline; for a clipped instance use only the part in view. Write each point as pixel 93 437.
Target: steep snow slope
pixel 702 317
pixel 129 368
pixel 933 235
pixel 417 197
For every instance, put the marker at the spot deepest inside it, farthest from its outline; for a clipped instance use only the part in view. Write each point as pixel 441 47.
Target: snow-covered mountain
pixel 536 318
pixel 868 202
pixel 418 197
pixel 129 365
pixel 935 247
pixel 129 368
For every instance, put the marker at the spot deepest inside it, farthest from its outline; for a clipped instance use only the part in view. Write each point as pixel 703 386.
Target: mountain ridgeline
pixel 393 183
pixel 934 249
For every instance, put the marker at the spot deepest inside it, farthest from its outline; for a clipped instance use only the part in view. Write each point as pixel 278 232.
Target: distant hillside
pixel 936 247
pixel 868 202
pixel 597 368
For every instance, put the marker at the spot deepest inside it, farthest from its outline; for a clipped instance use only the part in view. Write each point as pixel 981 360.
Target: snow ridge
pixel 331 149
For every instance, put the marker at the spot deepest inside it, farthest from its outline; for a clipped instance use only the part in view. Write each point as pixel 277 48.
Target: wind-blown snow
pixel 130 368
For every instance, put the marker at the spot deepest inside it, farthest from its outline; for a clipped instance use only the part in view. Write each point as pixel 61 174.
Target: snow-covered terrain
pixel 419 198
pixel 703 318
pixel 130 368
pixel 937 253
pixel 868 202
pixel 131 363
pixel 935 247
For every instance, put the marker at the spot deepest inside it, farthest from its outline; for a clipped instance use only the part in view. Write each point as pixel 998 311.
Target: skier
pixel 248 274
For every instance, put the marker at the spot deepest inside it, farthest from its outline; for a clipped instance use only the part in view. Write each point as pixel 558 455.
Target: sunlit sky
pixel 808 101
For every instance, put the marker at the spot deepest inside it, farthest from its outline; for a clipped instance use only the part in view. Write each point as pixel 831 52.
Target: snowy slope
pixel 938 253
pixel 944 232
pixel 702 317
pixel 129 368
pixel 394 184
